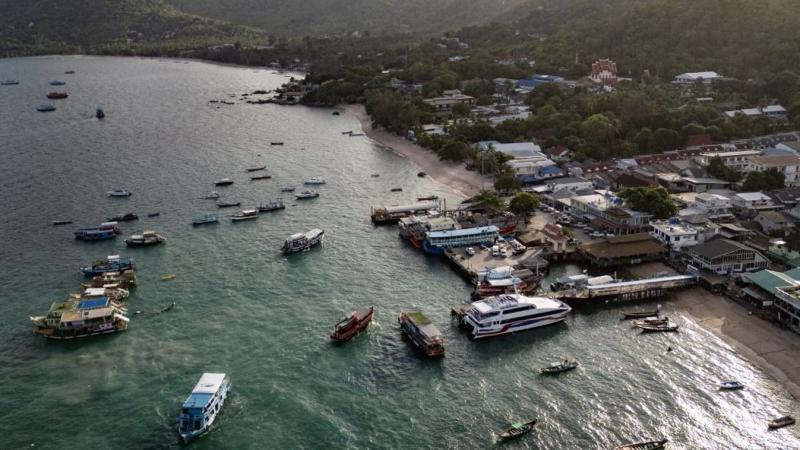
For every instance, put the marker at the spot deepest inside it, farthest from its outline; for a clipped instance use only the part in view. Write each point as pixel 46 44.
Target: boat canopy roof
pixel 209 383
pixel 463 232
pixel 296 236
pixel 409 208
pixel 197 400
pixel 93 303
pixel 94 292
pixel 313 233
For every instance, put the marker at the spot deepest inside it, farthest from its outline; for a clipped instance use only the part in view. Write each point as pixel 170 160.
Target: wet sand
pixel 454 175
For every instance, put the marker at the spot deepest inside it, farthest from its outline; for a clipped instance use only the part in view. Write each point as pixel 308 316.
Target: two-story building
pixel 444 104
pixel 571 184
pixel 787 165
pixel 738 159
pixel 677 235
pixel 751 203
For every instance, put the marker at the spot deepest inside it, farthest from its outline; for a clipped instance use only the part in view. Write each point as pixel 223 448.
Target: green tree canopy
pixel 764 181
pixel 507 182
pixel 655 201
pixel 523 204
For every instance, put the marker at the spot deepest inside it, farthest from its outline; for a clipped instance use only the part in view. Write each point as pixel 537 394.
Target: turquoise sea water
pixel 245 309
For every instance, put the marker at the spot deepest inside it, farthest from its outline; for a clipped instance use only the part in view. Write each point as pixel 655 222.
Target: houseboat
pixel 305 195
pixel 204 219
pixel 119 193
pixel 422 332
pixel 223 182
pixel 203 405
pixel 436 242
pixel 145 239
pixel 112 263
pixel 80 318
pixel 106 230
pixel 509 313
pixel 352 324
pixel 303 241
pixel 272 206
pixel 245 214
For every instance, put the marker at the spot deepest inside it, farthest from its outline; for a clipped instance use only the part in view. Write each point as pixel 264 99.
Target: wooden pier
pixel 627 290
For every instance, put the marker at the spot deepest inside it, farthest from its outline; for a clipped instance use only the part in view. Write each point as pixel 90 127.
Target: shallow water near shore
pixel 245 309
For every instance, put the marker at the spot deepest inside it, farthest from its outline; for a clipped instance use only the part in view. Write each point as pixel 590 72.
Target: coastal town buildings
pixel 695 77
pixel 444 105
pixel 725 256
pixel 787 165
pixel 604 72
pixel 771 111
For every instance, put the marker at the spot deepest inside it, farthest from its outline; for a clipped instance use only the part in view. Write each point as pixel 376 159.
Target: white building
pixel 514 149
pixel 713 206
pixel 724 256
pixel 676 234
pixel 752 202
pixel 693 77
pixel 787 305
pixel 572 184
pixel 787 165
pixel 738 160
pixel 772 111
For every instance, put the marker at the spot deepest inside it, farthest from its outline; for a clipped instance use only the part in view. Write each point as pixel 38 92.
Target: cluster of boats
pixel 99 309
pixel 650 321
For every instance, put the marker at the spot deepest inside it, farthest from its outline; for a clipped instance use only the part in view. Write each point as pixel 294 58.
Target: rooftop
pixel 776 161
pixel 718 247
pixel 624 246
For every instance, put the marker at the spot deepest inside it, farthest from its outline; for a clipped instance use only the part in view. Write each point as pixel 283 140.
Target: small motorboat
pixel 223 182
pixel 61 222
pixel 658 328
pixel 306 195
pixel 168 277
pixel 314 180
pixel 99 113
pixel 228 204
pixel 516 430
pixel 645 445
pixel 153 214
pixel 730 386
pixel 205 219
pixel 397 189
pixel 211 195
pixel 124 218
pixel 58 83
pixel 347 132
pixel 246 214
pixel 351 325
pixel 559 367
pixel 255 169
pixel 375 175
pixel 57 95
pixel 421 174
pixel 119 193
pixel 146 239
pixel 260 177
pixel 781 422
pixel 651 321
pixel 276 143
pixel 69 72
pixel 287 188
pixel 169 307
pixel 9 83
pixel 428 197
pixel 271 206
pixel 640 314
pixel 335 113
pixel 46 108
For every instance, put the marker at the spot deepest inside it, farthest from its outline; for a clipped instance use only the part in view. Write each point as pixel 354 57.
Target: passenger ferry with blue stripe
pixel 436 242
pixel 201 408
pixel 510 313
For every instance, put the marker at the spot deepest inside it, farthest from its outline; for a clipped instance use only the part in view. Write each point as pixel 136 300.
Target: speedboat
pixel 57 95
pixel 516 430
pixel 46 108
pixel 211 195
pixel 246 214
pixel 730 386
pixel 146 239
pixel 307 195
pixel 507 313
pixel 119 193
pixel 646 445
pixel 314 180
pixel 559 367
pixel 352 324
pixel 223 182
pixel 202 407
pixel 299 242
pixel 272 206
pixel 205 219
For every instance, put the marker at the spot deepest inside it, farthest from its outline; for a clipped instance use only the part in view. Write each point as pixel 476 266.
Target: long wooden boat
pixel 647 445
pixel 658 328
pixel 516 430
pixel 256 169
pixel 781 422
pixel 640 314
pixel 228 204
pixel 560 367
pixel 354 323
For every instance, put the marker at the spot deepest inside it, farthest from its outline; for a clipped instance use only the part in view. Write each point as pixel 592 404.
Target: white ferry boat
pixel 203 405
pixel 509 313
pixel 299 242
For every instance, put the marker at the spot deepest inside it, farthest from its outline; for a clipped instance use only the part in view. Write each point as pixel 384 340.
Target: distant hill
pixel 53 24
pixel 294 18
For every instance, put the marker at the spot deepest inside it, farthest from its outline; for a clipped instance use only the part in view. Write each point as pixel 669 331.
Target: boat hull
pixel 432 250
pixel 345 335
pixel 51 333
pixel 478 332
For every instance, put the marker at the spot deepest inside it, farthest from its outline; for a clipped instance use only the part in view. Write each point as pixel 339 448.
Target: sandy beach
pixel 775 350
pixel 454 175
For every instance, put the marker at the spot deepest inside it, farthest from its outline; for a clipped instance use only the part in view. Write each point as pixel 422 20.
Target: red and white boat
pixel 353 324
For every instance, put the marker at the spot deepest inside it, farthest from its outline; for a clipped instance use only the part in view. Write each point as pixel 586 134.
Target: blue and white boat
pixel 106 230
pixel 112 263
pixel 436 242
pixel 509 313
pixel 201 408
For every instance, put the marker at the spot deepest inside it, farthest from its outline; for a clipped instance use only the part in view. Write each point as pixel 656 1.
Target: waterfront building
pixel 621 250
pixel 738 159
pixel 676 234
pixel 724 256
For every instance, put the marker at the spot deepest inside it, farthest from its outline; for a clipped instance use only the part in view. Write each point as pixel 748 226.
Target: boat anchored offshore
pixel 106 230
pixel 127 217
pixel 9 83
pixel 508 313
pixel 306 195
pixel 516 430
pixel 646 445
pixel 303 241
pixel 781 422
pixel 46 108
pixel 204 219
pixel 119 193
pixel 223 182
pixel 245 214
pixel 211 195
pixel 99 113
pixel 112 263
pixel 57 95
pixel 287 188
pixel 272 206
pixel 77 318
pixel 559 367
pixel 353 324
pixel 315 180
pixel 203 405
pixel 146 239
pixel 730 386
pixel 422 332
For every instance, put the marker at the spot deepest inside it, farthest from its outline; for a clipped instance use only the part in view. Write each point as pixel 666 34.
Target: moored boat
pixel 112 263
pixel 9 83
pixel 57 95
pixel 76 318
pixel 204 219
pixel 46 108
pixel 69 72
pixel 153 214
pixel 99 113
pixel 421 174
pixel 260 177
pixel 61 222
pixel 306 195
pixel 509 313
pixel 211 195
pixel 201 408
pixel 271 206
pixel 645 445
pixel 436 242
pixel 228 204
pixel 276 143
pixel 730 386
pixel 428 197
pixel 422 332
pixel 119 193
pixel 255 169
pixel 658 328
pixel 127 217
pixel 315 180
pixel 106 230
pixel 651 321
pixel 397 189
pixel 245 214
pixel 352 324
pixel 57 83
pixel 303 241
pixel 640 314
pixel 781 422
pixel 559 367
pixel 145 239
pixel 287 188
pixel 223 182
pixel 516 430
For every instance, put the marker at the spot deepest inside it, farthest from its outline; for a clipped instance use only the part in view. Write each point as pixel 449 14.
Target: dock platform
pixel 627 290
pixel 469 266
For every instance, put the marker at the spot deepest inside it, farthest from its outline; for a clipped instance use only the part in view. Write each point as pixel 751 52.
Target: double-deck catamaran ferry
pixel 436 242
pixel 509 313
pixel 203 405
